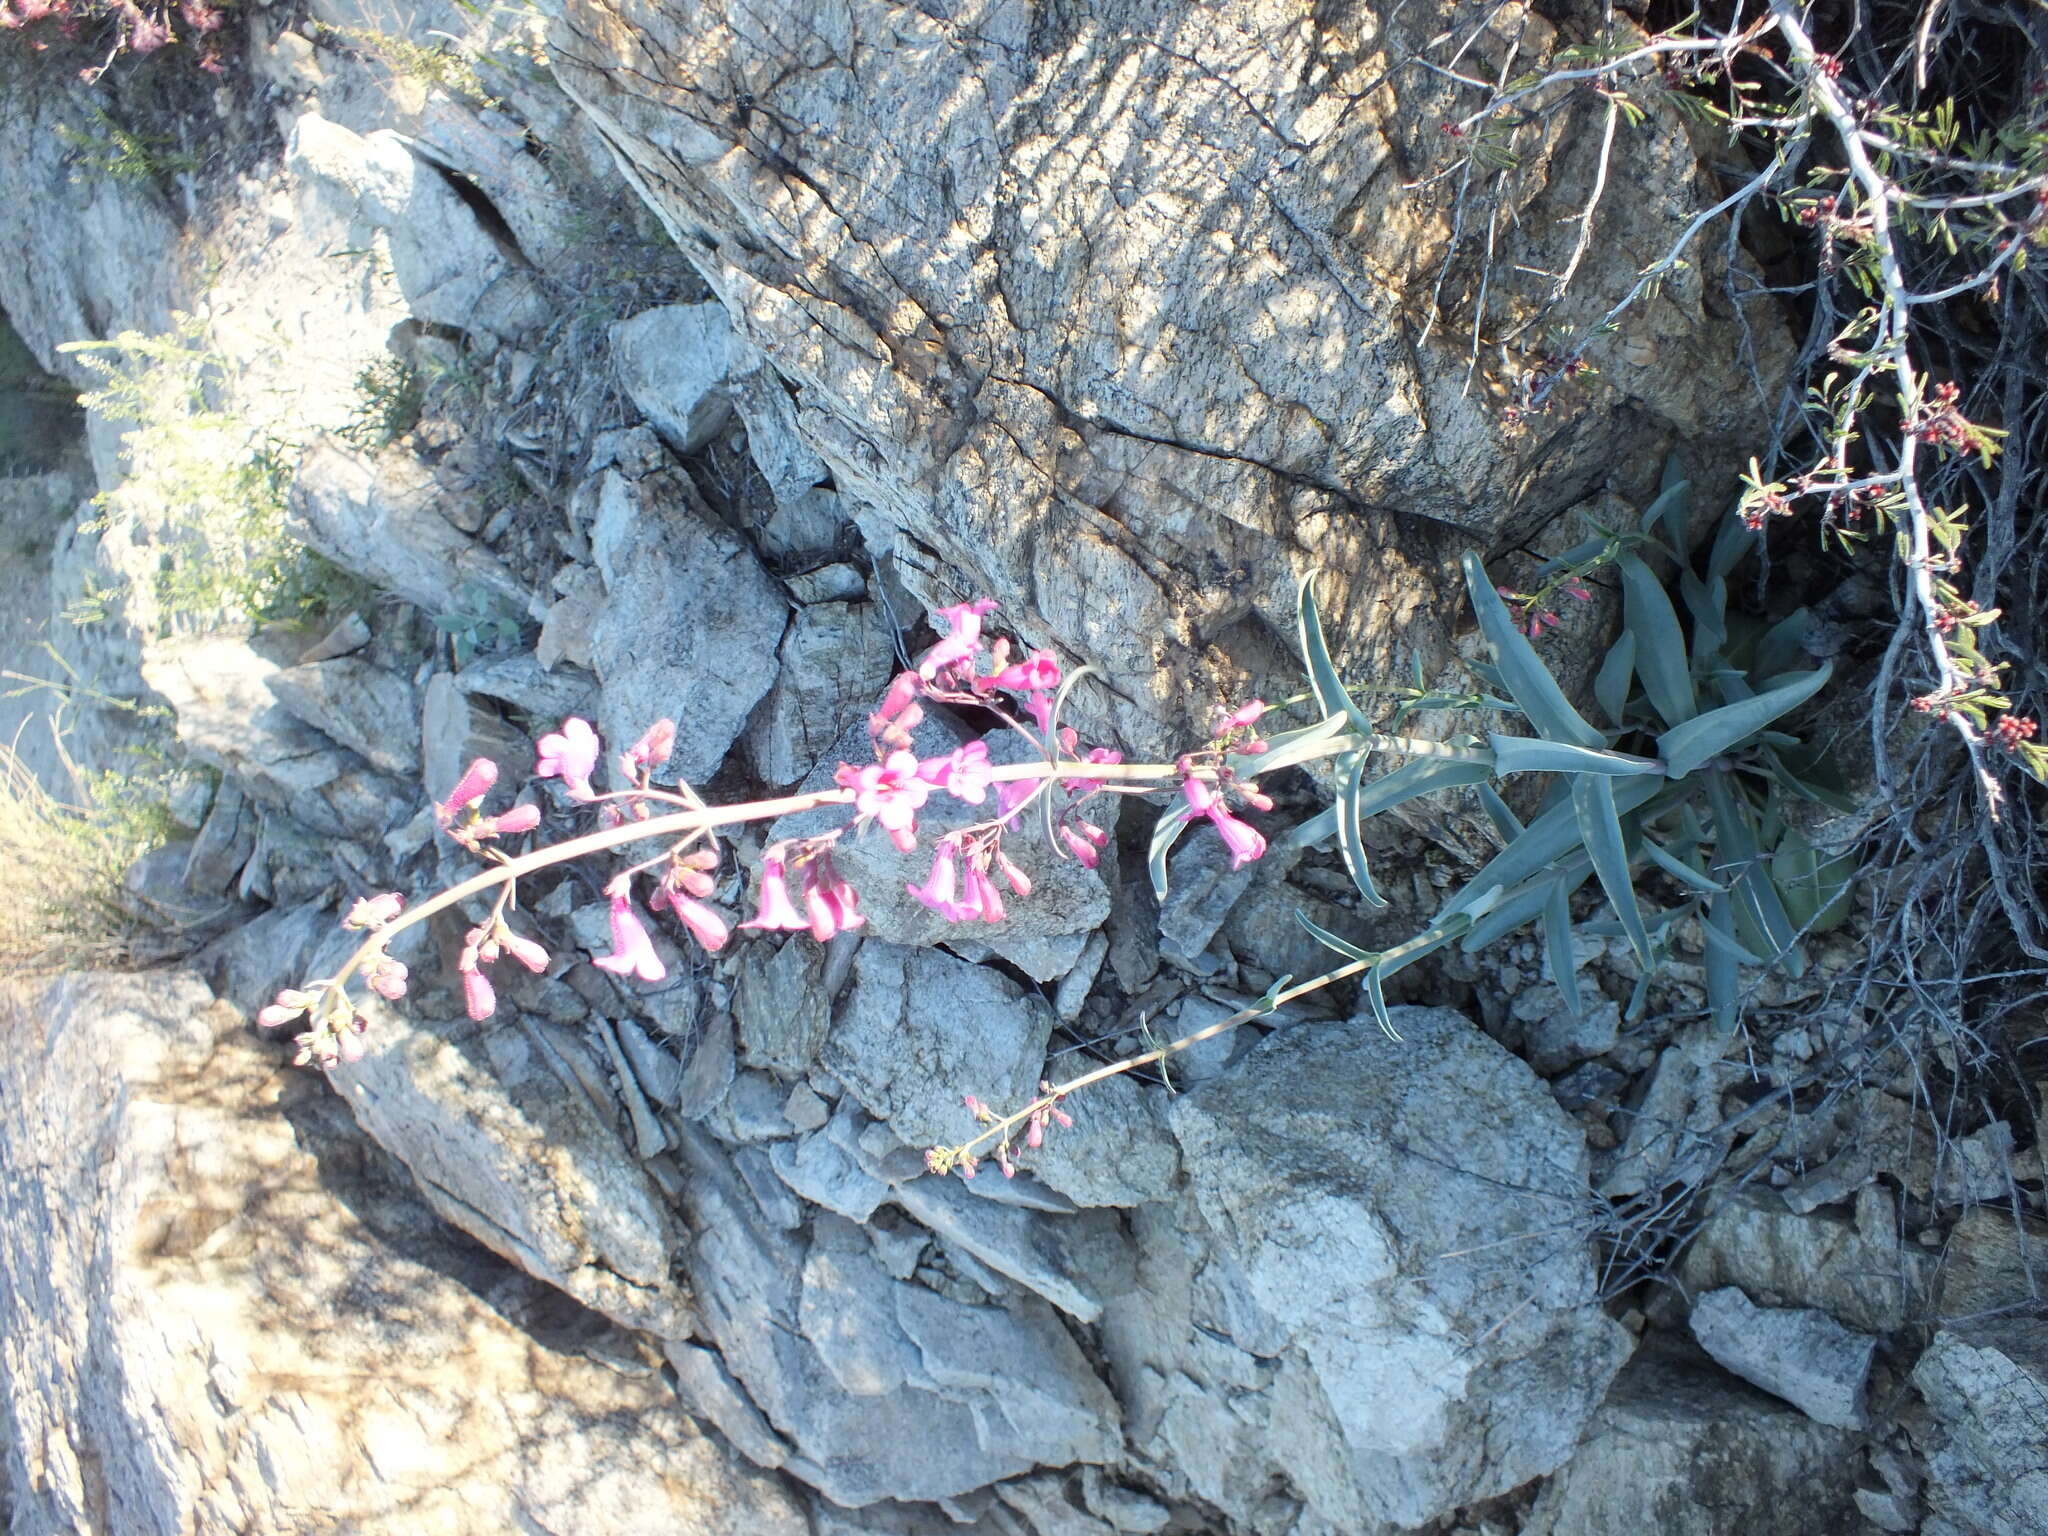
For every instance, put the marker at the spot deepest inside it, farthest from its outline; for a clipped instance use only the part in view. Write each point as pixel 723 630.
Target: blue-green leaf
pixel 1783 643
pixel 1530 754
pixel 1731 542
pixel 1344 947
pixel 1679 870
pixel 1434 937
pixel 1724 984
pixel 1672 508
pixel 1600 826
pixel 1165 832
pixel 1708 605
pixel 1326 738
pixel 1610 687
pixel 1422 777
pixel 1686 747
pixel 1521 669
pixel 1350 837
pixel 1505 822
pixel 1557 945
pixel 1515 908
pixel 1376 995
pixel 1318 827
pixel 1660 643
pixel 1331 694
pixel 1546 840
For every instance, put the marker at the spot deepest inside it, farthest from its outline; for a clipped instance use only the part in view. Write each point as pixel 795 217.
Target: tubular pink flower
pixel 705 925
pixel 477 995
pixel 901 697
pixel 570 755
pixel 962 643
pixel 374 911
pixel 1244 842
pixel 962 773
pixel 653 748
pixel 632 949
pixel 1038 706
pixel 521 818
pixel 475 784
pixel 891 792
pixel 1083 850
pixel 1019 881
pixel 778 913
pixel 1039 670
pixel 983 897
pixel 831 902
pixel 1078 788
pixel 942 884
pixel 1242 716
pixel 1199 796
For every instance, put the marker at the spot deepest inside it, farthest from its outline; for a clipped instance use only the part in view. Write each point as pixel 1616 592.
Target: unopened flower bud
pixel 374 911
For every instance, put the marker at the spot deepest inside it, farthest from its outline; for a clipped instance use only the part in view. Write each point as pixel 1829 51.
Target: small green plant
pixel 486 622
pixel 123 154
pixel 1695 800
pixel 203 480
pixel 390 396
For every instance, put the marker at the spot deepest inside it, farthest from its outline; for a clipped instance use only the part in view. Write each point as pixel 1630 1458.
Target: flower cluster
pixel 116 27
pixel 1043 1113
pixel 1532 610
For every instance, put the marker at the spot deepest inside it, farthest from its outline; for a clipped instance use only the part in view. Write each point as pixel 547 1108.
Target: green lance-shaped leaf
pixel 1165 832
pixel 1522 671
pixel 1784 642
pixel 1557 945
pixel 1422 777
pixel 1679 870
pixel 1350 837
pixel 1531 754
pixel 1672 508
pixel 1326 738
pixel 1724 985
pixel 1505 823
pixel 1756 899
pixel 1547 839
pixel 1610 686
pixel 1660 643
pixel 1331 695
pixel 1600 825
pixel 1686 747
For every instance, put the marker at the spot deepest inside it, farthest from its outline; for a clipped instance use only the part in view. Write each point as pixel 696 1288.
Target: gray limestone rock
pixel 1071 1260
pixel 836 661
pixel 672 362
pixel 1853 1268
pixel 1681 1451
pixel 1986 1391
pixel 690 624
pixel 1803 1356
pixel 917 1031
pixel 1414 1216
pixel 363 707
pixel 225 1311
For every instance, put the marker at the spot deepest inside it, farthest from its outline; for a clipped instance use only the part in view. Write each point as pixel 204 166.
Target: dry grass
pixel 63 908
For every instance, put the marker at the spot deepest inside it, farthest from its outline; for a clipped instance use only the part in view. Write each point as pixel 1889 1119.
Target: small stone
pixel 1803 1356
pixel 804 1110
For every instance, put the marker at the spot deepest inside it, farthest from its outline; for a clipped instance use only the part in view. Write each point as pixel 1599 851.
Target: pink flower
pixel 942 884
pixel 962 643
pixel 705 925
pixel 475 784
pixel 1085 840
pixel 1244 842
pixel 652 749
pixel 477 996
pixel 962 773
pixel 1039 670
pixel 778 913
pixel 570 755
pixel 899 713
pixel 1019 881
pixel 1238 718
pixel 1077 788
pixel 983 897
pixel 1578 591
pixel 374 911
pixel 146 36
pixel 891 792
pixel 831 902
pixel 1039 707
pixel 632 949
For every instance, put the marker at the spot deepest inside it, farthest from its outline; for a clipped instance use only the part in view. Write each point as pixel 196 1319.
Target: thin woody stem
pixel 1001 1129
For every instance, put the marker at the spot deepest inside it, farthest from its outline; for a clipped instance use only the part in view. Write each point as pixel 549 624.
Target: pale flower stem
pixel 1000 1130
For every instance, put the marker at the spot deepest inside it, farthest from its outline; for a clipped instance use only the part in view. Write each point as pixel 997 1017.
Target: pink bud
pixel 476 783
pixel 1019 881
pixel 387 978
pixel 524 950
pixel 654 747
pixel 521 818
pixel 374 911
pixel 477 996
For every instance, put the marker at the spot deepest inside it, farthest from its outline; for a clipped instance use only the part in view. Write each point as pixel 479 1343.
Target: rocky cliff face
pixel 743 337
